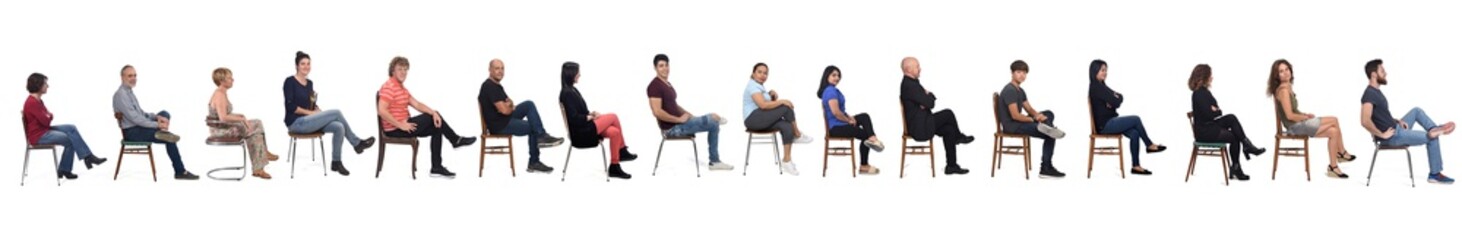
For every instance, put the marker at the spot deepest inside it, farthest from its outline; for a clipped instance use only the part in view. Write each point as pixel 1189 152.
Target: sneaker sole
pixel 1051 177
pixel 1438 182
pixel 442 176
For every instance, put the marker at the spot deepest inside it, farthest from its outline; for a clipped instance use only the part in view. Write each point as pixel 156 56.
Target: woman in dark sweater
pixel 1211 125
pixel 302 115
pixel 1104 104
pixel 586 128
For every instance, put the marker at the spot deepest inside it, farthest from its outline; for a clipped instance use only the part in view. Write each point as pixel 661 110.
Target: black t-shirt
pixel 1380 109
pixel 491 93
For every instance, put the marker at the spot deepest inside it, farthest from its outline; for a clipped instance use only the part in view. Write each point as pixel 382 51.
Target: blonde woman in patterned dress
pixel 236 125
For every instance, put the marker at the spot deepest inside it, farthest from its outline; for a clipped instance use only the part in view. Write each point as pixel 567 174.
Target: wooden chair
pixel 927 149
pixel 567 156
pixel 132 148
pixel 1108 150
pixel 314 136
pixel 763 137
pixel 25 167
pixel 227 142
pixel 829 150
pixel 500 149
pixel 1381 147
pixel 1024 149
pixel 693 147
pixel 388 140
pixel 1207 149
pixel 1279 136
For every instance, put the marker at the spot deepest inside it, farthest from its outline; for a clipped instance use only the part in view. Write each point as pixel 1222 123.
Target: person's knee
pixel 527 103
pixel 612 132
pixel 610 117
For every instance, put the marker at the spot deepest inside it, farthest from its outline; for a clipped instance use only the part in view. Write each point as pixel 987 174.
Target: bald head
pixel 495 69
pixel 911 67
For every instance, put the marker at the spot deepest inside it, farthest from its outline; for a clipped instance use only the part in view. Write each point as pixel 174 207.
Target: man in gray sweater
pixel 142 126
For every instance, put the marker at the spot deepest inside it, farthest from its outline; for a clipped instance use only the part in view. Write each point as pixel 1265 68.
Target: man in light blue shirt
pixel 763 111
pixel 141 126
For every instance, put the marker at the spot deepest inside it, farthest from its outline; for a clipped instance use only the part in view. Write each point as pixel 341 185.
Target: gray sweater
pixel 132 115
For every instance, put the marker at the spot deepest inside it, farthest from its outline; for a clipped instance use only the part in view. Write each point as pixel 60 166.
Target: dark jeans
pixel 862 131
pixel 1226 130
pixel 526 122
pixel 779 118
pixel 142 134
pixel 1130 126
pixel 1048 146
pixel 425 128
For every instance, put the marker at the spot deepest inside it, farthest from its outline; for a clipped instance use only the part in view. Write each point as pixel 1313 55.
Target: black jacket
pixel 918 109
pixel 1104 101
pixel 1204 115
pixel 582 132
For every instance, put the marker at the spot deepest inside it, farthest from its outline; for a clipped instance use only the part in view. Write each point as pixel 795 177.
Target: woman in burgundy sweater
pixel 38 129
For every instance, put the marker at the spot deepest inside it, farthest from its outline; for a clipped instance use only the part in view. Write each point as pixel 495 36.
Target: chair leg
pixel 1373 164
pixel 55 163
pixel 696 149
pixel 931 158
pixel 380 158
pixel 1027 147
pixel 153 163
pixel 512 161
pixel 995 156
pixel 1192 159
pixel 482 155
pixel 1307 159
pixel 824 157
pixel 904 149
pixel 25 167
pixel 413 161
pixel 1226 166
pixel 747 162
pixel 1274 172
pixel 853 158
pixel 776 154
pixel 324 169
pixel 118 170
pixel 1122 159
pixel 657 157
pixel 604 155
pixel 290 159
pixel 1409 169
pixel 1090 156
pixel 566 157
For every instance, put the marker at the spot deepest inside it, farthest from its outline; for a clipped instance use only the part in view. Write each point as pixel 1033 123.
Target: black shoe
pixel 1345 157
pixel 967 140
pixel 463 142
pixel 339 168
pixel 93 160
pixel 1160 148
pixel 1051 172
pixel 548 141
pixel 1335 173
pixel 185 176
pixel 625 155
pixel 67 175
pixel 442 172
pixel 616 172
pixel 364 144
pixel 537 166
pixel 955 169
pixel 1142 172
pixel 1252 151
pixel 1238 173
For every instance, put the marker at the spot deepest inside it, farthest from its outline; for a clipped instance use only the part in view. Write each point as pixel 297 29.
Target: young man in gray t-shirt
pixel 1034 123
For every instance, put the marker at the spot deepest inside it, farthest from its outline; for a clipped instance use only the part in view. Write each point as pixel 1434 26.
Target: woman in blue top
pixel 303 116
pixel 840 124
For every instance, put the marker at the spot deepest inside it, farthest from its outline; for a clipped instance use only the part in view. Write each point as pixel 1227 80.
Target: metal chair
pixel 1108 150
pixel 1207 149
pixel 315 136
pixel 1000 149
pixel 763 137
pixel 25 167
pixel 829 150
pixel 1380 147
pixel 693 147
pixel 570 153
pixel 132 148
pixel 227 141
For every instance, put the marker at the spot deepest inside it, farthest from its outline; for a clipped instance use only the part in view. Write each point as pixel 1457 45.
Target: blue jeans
pixel 330 121
pixel 66 136
pixel 1048 146
pixel 703 123
pixel 526 122
pixel 1130 126
pixel 1411 137
pixel 142 134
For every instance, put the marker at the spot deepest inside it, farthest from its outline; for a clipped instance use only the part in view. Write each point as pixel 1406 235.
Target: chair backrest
pixel 826 128
pixel 903 118
pixel 1278 115
pixel 22 127
pixel 118 115
pixel 380 125
pixel 1190 123
pixel 995 106
pixel 482 120
pixel 1091 116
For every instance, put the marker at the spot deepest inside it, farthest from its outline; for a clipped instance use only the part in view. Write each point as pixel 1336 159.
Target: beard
pixel 1381 81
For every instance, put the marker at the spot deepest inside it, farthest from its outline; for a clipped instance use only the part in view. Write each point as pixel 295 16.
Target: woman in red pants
pixel 586 127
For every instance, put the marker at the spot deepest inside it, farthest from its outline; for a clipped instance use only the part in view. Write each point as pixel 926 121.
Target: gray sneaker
pixel 166 136
pixel 1050 131
pixel 720 166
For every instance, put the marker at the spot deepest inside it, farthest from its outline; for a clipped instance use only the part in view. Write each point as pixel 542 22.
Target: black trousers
pixel 1226 129
pixel 945 125
pixel 862 131
pixel 425 128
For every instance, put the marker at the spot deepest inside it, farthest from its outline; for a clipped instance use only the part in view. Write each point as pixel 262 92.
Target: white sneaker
pixel 803 139
pixel 722 121
pixel 721 166
pixel 877 146
pixel 789 168
pixel 1050 131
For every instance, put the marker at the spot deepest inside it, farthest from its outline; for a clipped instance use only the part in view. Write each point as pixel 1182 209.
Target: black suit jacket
pixel 918 109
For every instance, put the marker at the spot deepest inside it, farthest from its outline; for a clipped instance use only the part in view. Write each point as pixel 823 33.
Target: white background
pixel 965 49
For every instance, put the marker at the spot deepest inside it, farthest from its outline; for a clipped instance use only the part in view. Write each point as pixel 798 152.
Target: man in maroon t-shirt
pixel 676 121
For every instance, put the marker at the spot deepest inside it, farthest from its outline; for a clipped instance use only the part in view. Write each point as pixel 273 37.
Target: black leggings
pixel 1228 130
pixel 862 131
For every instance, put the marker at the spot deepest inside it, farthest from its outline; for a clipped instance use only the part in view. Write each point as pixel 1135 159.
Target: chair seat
pixel 1389 147
pixel 224 141
pixel 133 143
pixel 1118 136
pixel 1210 145
pixel 689 137
pixel 397 140
pixel 773 131
pixel 41 146
pixel 1290 136
pixel 497 136
pixel 307 135
pixel 1011 135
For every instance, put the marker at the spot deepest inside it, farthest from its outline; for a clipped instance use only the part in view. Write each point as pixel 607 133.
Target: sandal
pixel 870 170
pixel 1335 173
pixel 271 157
pixel 1345 156
pixel 262 175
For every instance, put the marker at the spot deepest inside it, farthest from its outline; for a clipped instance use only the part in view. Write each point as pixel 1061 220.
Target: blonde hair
pixel 220 74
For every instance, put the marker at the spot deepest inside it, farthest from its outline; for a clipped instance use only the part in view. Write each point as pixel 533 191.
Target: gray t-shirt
pixel 1010 95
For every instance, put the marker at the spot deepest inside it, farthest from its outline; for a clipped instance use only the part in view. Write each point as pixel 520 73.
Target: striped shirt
pixel 397 99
